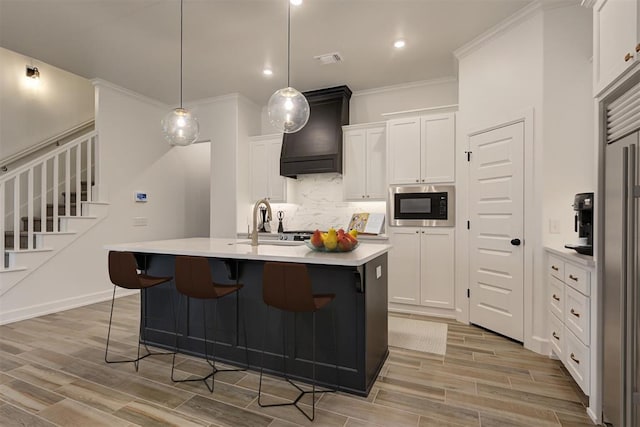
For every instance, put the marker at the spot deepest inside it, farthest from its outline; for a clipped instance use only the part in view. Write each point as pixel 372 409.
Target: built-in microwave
pixel 422 205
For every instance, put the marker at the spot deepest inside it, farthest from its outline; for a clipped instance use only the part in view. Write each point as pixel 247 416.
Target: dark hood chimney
pixel 317 147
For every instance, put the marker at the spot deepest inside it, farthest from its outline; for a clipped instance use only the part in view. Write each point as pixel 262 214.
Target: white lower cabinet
pixel 570 310
pixel 421 266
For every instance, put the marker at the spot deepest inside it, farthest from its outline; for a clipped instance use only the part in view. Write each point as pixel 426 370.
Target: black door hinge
pixel 468 293
pixel 468 153
pixel 468 225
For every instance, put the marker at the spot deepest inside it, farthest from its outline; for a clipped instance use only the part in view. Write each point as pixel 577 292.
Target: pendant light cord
pixel 288 43
pixel 181 25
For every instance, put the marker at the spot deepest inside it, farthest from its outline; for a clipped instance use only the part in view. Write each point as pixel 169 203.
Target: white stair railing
pixel 26 191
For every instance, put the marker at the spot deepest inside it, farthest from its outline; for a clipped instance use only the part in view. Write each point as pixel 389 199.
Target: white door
pixel 496 205
pixel 404 150
pixel 277 182
pixel 354 164
pixel 437 279
pixel 376 164
pixel 259 171
pixel 404 265
pixel 438 148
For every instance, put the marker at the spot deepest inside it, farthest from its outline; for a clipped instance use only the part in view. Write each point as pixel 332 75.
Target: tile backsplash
pixel 316 201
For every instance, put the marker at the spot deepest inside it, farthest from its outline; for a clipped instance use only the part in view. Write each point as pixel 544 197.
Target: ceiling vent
pixel 329 58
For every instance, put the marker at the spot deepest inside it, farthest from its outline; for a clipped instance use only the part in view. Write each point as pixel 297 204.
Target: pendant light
pixel 180 126
pixel 288 109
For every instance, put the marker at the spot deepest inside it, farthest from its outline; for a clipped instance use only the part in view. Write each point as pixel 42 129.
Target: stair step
pixel 61 210
pixel 9 240
pixel 72 196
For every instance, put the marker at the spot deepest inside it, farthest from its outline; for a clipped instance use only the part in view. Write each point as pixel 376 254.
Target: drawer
pixel 556 336
pixel 555 267
pixel 576 314
pixel 577 278
pixel 577 361
pixel 556 297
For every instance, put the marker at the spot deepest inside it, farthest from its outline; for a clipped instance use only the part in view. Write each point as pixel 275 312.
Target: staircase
pixel 37 219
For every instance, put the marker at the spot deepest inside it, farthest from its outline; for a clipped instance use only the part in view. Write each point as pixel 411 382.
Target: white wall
pixel 569 160
pixel 501 79
pixel 31 114
pixel 537 62
pixel 133 156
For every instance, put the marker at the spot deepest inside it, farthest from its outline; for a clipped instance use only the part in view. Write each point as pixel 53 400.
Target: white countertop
pixel 266 251
pixel 571 255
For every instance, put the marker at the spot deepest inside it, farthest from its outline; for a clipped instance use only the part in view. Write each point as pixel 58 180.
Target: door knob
pixel 515 242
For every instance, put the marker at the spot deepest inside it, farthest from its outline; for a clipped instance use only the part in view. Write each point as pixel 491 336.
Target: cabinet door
pixel 259 170
pixel 438 148
pixel 277 183
pixel 615 28
pixel 437 260
pixel 354 168
pixel 376 177
pixel 404 150
pixel 404 266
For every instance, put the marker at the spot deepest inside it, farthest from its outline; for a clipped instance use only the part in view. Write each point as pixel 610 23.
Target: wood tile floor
pixel 52 373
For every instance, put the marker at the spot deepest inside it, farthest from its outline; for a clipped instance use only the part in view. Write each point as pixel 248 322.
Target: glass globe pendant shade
pixel 288 110
pixel 180 127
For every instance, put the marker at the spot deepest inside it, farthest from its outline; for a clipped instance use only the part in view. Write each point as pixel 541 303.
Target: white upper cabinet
pixel 364 171
pixel 616 40
pixel 404 150
pixel 265 179
pixel 422 149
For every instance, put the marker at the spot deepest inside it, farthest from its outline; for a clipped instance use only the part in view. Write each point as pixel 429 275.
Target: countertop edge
pixel 165 247
pixel 572 256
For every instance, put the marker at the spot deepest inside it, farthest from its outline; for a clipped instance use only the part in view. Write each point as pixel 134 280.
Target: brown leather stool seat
pixel 123 273
pixel 287 286
pixel 193 280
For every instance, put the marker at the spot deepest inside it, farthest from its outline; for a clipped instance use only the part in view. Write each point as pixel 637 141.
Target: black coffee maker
pixel 583 207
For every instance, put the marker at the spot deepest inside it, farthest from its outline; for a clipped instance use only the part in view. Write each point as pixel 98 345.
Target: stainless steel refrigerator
pixel 620 288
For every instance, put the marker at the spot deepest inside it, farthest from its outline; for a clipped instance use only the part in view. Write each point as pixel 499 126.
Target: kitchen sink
pixel 272 243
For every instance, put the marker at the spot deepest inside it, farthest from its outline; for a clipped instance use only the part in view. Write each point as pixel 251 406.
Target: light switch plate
pixel 554 226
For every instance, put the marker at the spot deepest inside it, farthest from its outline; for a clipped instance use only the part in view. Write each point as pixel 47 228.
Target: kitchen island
pixel 359 311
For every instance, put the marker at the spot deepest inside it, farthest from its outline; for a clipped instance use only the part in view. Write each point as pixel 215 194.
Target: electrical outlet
pixel 554 226
pixel 140 221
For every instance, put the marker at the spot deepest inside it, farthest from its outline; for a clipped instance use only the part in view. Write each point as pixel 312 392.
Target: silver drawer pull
pixel 573 357
pixel 554 268
pixel 556 336
pixel 556 297
pixel 572 277
pixel 575 313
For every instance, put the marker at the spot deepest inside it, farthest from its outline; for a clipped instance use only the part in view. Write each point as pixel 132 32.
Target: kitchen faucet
pixel 254 233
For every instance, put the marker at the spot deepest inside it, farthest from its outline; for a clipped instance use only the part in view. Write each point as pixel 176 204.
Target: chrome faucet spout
pixel 254 232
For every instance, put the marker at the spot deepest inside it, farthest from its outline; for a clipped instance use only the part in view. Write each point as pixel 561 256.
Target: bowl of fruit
pixel 333 241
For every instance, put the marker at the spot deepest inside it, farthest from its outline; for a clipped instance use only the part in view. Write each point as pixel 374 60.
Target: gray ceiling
pixel 227 43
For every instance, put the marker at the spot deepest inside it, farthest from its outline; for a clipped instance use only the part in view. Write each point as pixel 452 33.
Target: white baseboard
pixel 422 310
pixel 24 313
pixel 539 345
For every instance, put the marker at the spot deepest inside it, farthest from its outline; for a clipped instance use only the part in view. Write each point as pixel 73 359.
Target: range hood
pixel 317 147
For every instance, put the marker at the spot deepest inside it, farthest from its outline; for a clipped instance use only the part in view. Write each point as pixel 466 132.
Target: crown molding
pixel 98 83
pixel 588 3
pixel 401 86
pixel 215 99
pixel 484 38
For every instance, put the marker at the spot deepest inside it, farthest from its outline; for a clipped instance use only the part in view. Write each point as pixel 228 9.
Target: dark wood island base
pixel 357 343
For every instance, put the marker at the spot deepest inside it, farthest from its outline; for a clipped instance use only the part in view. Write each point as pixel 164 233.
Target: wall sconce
pixel 33 72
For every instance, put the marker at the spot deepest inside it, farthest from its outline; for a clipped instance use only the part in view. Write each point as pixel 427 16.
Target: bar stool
pixel 287 286
pixel 123 273
pixel 193 280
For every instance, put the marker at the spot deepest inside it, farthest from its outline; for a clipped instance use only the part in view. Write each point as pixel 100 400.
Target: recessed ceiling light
pixel 399 44
pixel 267 72
pixel 296 2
